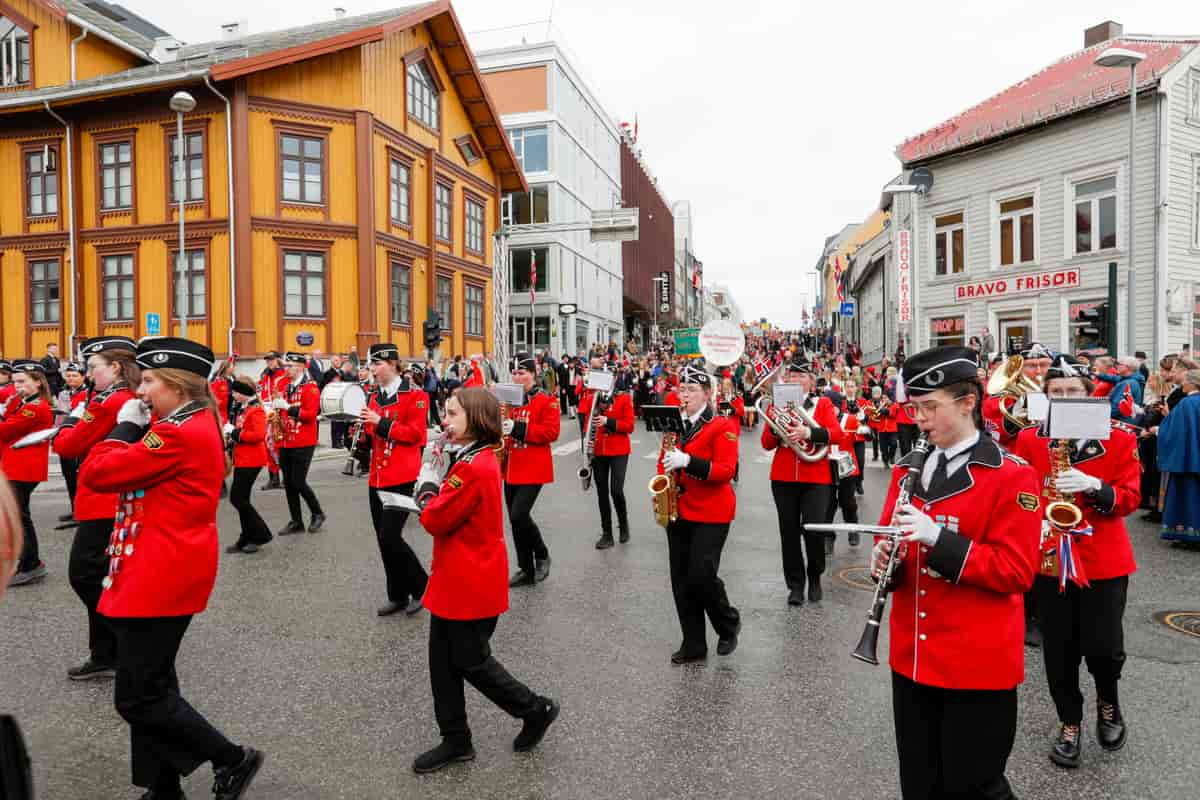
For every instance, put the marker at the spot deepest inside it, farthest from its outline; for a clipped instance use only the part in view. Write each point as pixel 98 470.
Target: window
pixel 44 292
pixel 524 208
pixel 468 149
pixel 118 288
pixel 14 54
pixel 532 148
pixel 303 284
pixel 191 284
pixel 445 300
pixel 1196 324
pixel 1096 215
pixel 399 191
pixel 541 332
pixel 401 294
pixel 116 175
pixel 302 164
pixel 947 331
pixel 948 244
pixel 473 225
pixel 423 96
pixel 1194 97
pixel 41 182
pixel 192 167
pixel 521 263
pixel 442 200
pixel 473 309
pixel 1017 231
pixel 1087 323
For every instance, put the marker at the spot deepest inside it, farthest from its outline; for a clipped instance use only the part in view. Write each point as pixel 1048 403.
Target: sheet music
pixel 599 379
pixel 397 500
pixel 786 394
pixel 1080 418
pixel 511 393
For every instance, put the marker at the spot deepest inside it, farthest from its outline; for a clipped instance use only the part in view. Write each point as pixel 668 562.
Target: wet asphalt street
pixel 291 658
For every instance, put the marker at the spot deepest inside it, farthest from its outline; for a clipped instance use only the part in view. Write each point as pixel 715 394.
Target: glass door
pixel 1016 334
pixel 519 341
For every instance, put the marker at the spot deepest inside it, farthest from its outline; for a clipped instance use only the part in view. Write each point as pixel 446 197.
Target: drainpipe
pixel 229 165
pixel 70 226
pixel 83 35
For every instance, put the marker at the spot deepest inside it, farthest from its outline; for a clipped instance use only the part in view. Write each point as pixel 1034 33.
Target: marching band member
pixel 300 404
pixel 467 592
pixel 871 406
pixel 730 405
pixel 843 491
pixel 1083 619
pixel 856 407
pixel 26 412
pixel 886 413
pixel 6 385
pixel 610 456
pixel 395 420
pixel 970 539
pixel 529 431
pixel 115 375
pixel 1035 362
pixel 164 563
pixel 704 461
pixel 801 489
pixel 74 395
pixel 272 385
pixel 247 434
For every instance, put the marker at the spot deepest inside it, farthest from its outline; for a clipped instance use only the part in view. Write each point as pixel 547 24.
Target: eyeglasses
pixel 928 407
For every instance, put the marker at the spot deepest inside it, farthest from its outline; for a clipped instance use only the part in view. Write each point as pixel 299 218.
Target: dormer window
pixel 15 64
pixel 423 92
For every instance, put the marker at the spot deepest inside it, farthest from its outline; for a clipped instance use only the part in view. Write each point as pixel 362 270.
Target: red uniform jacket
pixel 468 578
pixel 77 439
pixel 733 413
pixel 854 429
pixel 705 493
pixel 399 439
pixel 958 615
pixel 1107 553
pixel 888 412
pixel 7 390
pixel 23 417
pixel 787 466
pixel 220 390
pixel 997 425
pixel 849 437
pixel 250 436
pixel 272 384
pixel 612 439
pixel 300 421
pixel 529 456
pixel 169 480
pixel 671 398
pixel 902 415
pixel 79 396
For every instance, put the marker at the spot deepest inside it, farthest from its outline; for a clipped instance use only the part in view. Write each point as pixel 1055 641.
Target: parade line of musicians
pixel 152 430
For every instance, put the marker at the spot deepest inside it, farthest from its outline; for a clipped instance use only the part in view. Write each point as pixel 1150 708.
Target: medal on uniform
pixel 129 549
pixel 107 582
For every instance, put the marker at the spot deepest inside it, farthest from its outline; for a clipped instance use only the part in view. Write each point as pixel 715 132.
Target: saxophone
pixel 274 419
pixel 664 489
pixel 1062 515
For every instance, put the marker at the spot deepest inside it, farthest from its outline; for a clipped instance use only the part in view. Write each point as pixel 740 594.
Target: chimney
pixel 166 49
pixel 235 30
pixel 1102 33
pixel 339 13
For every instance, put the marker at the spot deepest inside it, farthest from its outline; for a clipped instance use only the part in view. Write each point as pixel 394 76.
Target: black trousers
pixel 294 463
pixel 434 420
pixel 1081 624
pixel 953 743
pixel 254 527
pixel 30 554
pixel 843 494
pixel 86 569
pixel 887 443
pixel 405 576
pixel 1151 482
pixel 337 433
pixel 874 445
pixel 168 738
pixel 70 473
pixel 908 437
pixel 608 474
pixel 694 552
pixel 860 453
pixel 796 504
pixel 460 652
pixel 527 538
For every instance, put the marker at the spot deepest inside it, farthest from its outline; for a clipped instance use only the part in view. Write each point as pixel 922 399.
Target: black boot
pixel 230 783
pixel 605 541
pixel 536 725
pixel 1033 634
pixel 814 590
pixel 541 569
pixel 624 534
pixel 272 482
pixel 444 754
pixel 290 528
pixel 1110 726
pixel 1065 750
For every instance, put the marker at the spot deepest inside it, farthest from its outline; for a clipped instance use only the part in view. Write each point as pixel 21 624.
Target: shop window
pixel 1087 325
pixel 947 331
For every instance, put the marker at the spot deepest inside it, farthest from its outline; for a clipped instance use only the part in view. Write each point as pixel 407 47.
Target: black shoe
pixel 230 783
pixel 680 657
pixel 66 526
pixel 796 597
pixel 290 528
pixel 1065 750
pixel 317 521
pixel 520 578
pixel 858 490
pixel 536 725
pixel 388 608
pixel 852 538
pixel 250 548
pixel 624 536
pixel 68 517
pixel 91 670
pixel 1152 516
pixel 234 548
pixel 604 542
pixel 444 754
pixel 727 644
pixel 814 591
pixel 541 569
pixel 1110 726
pixel 414 605
pixel 1033 634
pixel 272 483
pixel 37 573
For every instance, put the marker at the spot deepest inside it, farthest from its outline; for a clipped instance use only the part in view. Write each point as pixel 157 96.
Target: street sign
pixel 567 308
pixel 722 342
pixel 304 338
pixel 153 324
pixel 847 309
pixel 687 342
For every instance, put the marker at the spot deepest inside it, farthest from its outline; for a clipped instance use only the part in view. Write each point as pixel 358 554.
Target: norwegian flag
pixel 1126 406
pixel 532 279
pixel 838 278
pixel 761 369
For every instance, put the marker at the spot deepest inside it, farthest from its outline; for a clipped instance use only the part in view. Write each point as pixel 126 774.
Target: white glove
pixel 676 459
pixel 279 404
pixel 227 428
pixel 507 427
pixel 1073 481
pixel 428 474
pixel 917 526
pixel 134 411
pixel 78 410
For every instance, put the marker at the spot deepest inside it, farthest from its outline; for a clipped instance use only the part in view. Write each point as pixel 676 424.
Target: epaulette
pixel 469 457
pixel 1119 425
pixel 1016 459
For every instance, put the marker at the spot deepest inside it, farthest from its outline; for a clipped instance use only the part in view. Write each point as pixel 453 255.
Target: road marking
pixel 570 447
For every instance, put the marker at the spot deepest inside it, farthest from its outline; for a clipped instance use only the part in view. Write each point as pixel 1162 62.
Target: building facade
pixel 569 149
pixel 654 299
pixel 342 181
pixel 872 284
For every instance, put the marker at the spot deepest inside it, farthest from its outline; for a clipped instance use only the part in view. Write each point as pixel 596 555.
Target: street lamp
pixel 181 103
pixel 1120 57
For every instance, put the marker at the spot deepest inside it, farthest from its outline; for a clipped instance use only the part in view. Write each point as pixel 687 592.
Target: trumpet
pixel 664 489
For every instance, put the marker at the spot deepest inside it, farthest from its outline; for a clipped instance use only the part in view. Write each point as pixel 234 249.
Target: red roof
pixel 1064 88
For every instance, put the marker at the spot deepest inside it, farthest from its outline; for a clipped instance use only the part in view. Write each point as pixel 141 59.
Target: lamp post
pixel 181 103
pixel 1120 57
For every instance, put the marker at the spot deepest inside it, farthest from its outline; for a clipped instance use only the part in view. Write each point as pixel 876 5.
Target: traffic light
pixel 1094 326
pixel 433 330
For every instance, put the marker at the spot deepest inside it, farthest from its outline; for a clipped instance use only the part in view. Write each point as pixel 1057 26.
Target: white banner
pixel 904 273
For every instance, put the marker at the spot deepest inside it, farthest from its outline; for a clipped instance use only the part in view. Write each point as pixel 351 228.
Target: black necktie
pixel 939 472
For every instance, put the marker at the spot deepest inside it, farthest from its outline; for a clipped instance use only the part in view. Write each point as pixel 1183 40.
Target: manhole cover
pixel 1187 622
pixel 856 578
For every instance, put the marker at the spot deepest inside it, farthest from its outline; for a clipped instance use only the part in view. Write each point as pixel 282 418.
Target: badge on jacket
pixel 454 482
pixel 1027 501
pixel 152 441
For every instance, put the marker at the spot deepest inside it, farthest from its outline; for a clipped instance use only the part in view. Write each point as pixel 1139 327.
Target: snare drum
pixel 342 402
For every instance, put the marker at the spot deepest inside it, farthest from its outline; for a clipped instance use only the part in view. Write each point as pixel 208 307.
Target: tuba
pixel 1009 381
pixel 664 489
pixel 1062 514
pixel 780 419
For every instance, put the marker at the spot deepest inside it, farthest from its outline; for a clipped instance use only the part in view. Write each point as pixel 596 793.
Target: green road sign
pixel 687 341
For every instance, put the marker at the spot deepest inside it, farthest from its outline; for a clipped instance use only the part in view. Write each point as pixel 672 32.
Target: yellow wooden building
pixel 341 180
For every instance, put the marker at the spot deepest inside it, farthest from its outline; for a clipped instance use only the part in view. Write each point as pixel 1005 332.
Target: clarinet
pixel 869 641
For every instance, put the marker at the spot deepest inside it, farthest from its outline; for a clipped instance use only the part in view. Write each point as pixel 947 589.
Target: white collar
pixel 390 388
pixel 961 447
pixel 692 418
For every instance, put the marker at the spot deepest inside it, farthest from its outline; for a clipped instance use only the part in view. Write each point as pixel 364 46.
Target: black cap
pixel 524 361
pixel 932 369
pixel 798 363
pixel 243 388
pixel 1139 353
pixel 693 374
pixel 1036 350
pixel 1066 366
pixel 99 343
pixel 272 354
pixel 295 358
pixel 73 367
pixel 27 365
pixel 172 352
pixel 383 351
pixel 417 369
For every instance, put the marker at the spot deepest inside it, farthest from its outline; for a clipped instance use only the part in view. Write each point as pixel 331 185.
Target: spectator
pixel 53 369
pixel 987 343
pixel 1179 455
pixel 1130 384
pixel 1142 368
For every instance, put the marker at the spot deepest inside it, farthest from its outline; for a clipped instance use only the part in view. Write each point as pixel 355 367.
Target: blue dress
pixel 1179 455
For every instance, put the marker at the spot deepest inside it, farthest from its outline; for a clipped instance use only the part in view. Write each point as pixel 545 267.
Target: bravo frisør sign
pixel 904 276
pixel 1016 284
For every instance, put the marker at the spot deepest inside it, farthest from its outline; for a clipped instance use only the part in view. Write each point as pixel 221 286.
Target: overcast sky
pixel 777 120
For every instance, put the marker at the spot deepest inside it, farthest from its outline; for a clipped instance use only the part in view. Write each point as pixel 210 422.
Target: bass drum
pixel 342 402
